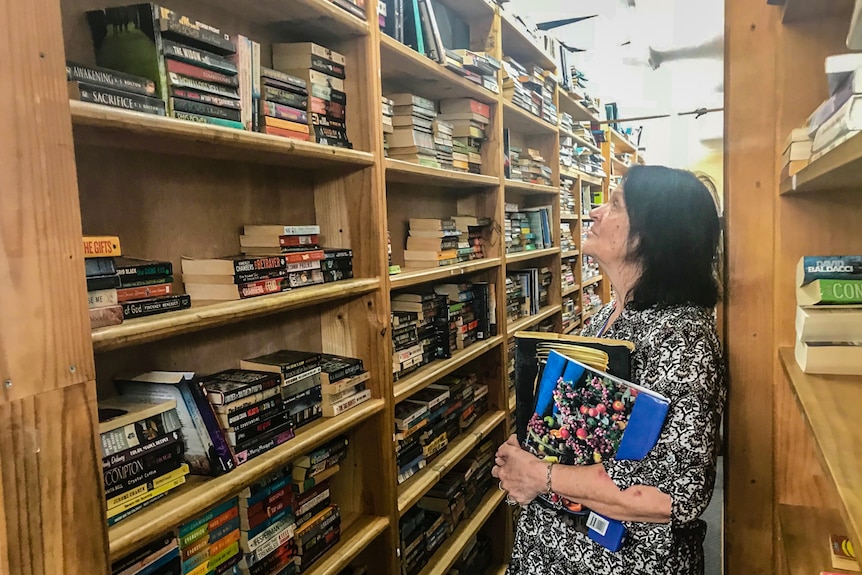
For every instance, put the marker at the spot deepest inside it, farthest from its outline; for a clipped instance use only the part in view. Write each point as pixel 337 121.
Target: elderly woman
pixel 656 239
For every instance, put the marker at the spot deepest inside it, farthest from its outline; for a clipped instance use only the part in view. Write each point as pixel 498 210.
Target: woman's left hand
pixel 521 473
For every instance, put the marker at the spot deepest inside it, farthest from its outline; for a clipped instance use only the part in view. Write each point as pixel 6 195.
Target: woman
pixel 656 239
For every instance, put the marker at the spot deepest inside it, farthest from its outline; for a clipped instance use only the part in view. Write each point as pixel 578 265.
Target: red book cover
pixel 200 73
pixel 298 240
pixel 143 292
pixel 309 256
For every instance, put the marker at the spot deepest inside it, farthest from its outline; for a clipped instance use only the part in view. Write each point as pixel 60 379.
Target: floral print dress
pixel 677 354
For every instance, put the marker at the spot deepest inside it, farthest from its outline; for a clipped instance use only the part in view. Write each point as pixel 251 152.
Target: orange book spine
pixel 273 131
pixel 270 122
pixel 102 246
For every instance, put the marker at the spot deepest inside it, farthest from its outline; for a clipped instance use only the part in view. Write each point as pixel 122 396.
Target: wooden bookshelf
pixel 828 405
pixel 587 315
pixel 837 169
pixel 446 556
pixel 437 369
pixel 531 320
pixel 575 174
pixel 518 45
pixel 572 327
pixel 567 216
pixel 201 317
pixel 805 536
pixel 581 141
pixel 200 493
pixel 620 168
pixel 499 570
pixel 530 255
pixel 621 143
pixel 357 532
pixel 528 188
pixel 574 108
pixel 320 18
pixel 405 70
pixel 591 281
pixel 401 172
pixel 571 290
pixel 417 277
pixel 523 122
pixel 412 490
pixel 471 9
pixel 104 126
pixel 569 254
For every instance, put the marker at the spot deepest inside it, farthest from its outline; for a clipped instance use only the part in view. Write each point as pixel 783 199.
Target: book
pixel 231 385
pixel 105 78
pixel 283 362
pixel 572 402
pixel 830 291
pixel 829 358
pixel 102 246
pixel 829 323
pixel 842 553
pixel 810 268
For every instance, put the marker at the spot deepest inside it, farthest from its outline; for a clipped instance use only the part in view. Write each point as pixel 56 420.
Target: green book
pixel 830 292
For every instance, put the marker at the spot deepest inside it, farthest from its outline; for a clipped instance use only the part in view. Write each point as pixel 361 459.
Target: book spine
pixel 122 478
pixel 127 436
pixel 145 308
pixel 222 454
pixel 279 96
pixel 102 298
pixel 115 98
pixel 99 267
pixel 180 105
pixel 237 394
pixel 204 519
pixel 140 489
pixel 288 112
pixel 237 417
pixel 284 78
pixel 309 256
pixel 102 246
pixel 247 454
pixel 211 99
pixel 197 57
pixel 200 119
pixel 153 492
pixel 115 460
pixel 146 270
pixel 252 432
pixel 131 294
pixel 831 268
pixel 328 94
pixel 263 287
pixel 144 282
pixel 184 82
pixel 271 122
pixel 110 79
pixel 327 108
pixel 170 21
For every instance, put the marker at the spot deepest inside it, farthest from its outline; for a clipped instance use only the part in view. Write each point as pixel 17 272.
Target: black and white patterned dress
pixel 678 355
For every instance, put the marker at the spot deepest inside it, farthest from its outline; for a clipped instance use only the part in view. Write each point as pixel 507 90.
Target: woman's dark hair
pixel 674 230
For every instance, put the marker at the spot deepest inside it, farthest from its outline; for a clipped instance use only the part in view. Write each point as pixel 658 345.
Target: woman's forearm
pixel 592 487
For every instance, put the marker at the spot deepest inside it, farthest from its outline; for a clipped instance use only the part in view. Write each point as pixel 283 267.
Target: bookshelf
pixel 805 532
pixel 170 189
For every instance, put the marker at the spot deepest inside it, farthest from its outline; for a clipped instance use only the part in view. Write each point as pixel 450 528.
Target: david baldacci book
pixel 582 415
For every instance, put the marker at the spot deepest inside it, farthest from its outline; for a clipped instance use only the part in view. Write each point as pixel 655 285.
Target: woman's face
pixel 607 240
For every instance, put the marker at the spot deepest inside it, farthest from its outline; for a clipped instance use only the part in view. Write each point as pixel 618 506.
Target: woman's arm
pixel 524 477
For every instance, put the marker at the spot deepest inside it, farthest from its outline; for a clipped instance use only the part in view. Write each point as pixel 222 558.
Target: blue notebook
pixel 584 416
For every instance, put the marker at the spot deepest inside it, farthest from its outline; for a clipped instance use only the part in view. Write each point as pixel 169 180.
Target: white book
pixel 847 119
pixel 829 323
pixel 839 67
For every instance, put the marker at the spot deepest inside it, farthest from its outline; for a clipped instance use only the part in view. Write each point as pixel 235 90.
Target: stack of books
pixel 388 126
pixel 567 273
pixel 590 268
pixel 236 393
pixel 835 120
pixel 568 151
pixel 829 314
pixel 100 268
pixel 532 293
pixel 797 152
pixel 431 243
pixel 160 556
pixel 592 300
pixel 413 137
pixel 532 166
pixel 357 8
pixel 443 144
pixel 571 312
pixel 337 264
pixel 412 534
pixel 475 471
pixel 472 308
pixel 413 331
pixel 480 68
pixel 471 239
pixel 528 229
pixel 323 71
pixel 142 454
pixel 568 205
pixel 300 385
pixel 343 384
pixel 111 88
pixel 591 198
pixel 476 556
pixel 470 119
pixel 567 242
pixel 201 73
pixel 283 105
pixel 567 123
pixel 266 518
pixel 513 87
pixel 241 277
pixel 211 542
pixel 512 229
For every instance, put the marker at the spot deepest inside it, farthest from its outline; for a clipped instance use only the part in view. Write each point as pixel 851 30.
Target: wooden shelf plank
pixel 567 216
pixel 417 486
pixel 357 532
pixel 574 173
pixel 523 122
pixel 620 169
pixel 835 170
pixel 517 45
pixel 531 320
pixel 154 328
pixel 621 143
pixel 441 368
pixel 581 141
pixel 572 327
pixel 591 281
pixel 800 10
pixel 448 553
pixel 588 314
pixel 805 534
pixel 570 290
pixel 573 107
pixel 403 69
pixel 471 9
pixel 318 20
pixel 830 406
pixel 569 254
pixel 105 126
pixel 528 188
pixel 402 172
pixel 416 277
pixel 199 493
pixel 499 570
pixel 530 255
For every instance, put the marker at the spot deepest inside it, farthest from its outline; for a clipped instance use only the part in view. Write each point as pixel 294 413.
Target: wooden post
pixel 52 518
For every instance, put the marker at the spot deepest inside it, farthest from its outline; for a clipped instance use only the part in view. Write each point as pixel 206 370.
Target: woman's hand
pixel 521 474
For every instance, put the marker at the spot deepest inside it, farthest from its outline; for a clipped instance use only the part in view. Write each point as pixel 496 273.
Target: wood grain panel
pixel 43 343
pixel 750 45
pixel 52 484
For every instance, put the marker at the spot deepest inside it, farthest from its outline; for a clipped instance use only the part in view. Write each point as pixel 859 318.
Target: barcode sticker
pixel 597 523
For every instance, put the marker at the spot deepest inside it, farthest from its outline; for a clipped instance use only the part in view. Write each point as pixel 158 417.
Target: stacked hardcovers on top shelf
pixel 434 242
pixel 469 120
pixel 201 73
pixel 276 258
pixel 142 453
pixel 527 229
pixel 434 324
pixel 323 71
pixel 433 417
pixel 426 526
pixel 829 314
pixel 121 288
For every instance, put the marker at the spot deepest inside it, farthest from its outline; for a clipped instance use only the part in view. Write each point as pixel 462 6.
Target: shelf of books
pixel 577 174
pixel 412 490
pixel 528 188
pixel 530 255
pixel 807 534
pixel 621 143
pixel 836 169
pixel 827 401
pixel 531 320
pixel 199 318
pixel 571 290
pixel 321 18
pixel 581 141
pixel 522 121
pixel 421 276
pixel 446 556
pixel 100 125
pixel 398 171
pixel 591 281
pixel 519 43
pixel 569 253
pixel 357 533
pixel 573 106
